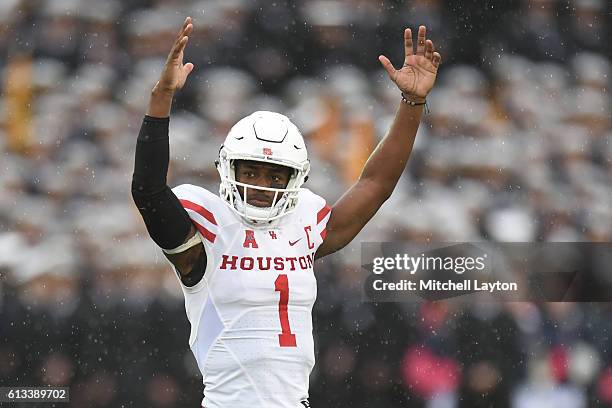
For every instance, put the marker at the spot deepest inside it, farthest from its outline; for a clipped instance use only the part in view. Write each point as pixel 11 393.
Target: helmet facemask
pixel 283 202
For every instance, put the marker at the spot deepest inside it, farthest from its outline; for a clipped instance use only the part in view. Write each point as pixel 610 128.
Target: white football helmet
pixel 267 137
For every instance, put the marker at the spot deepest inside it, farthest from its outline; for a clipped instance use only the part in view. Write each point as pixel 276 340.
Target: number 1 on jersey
pixel 285 338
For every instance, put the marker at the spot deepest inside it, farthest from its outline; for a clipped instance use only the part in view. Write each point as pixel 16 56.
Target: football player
pixel 244 257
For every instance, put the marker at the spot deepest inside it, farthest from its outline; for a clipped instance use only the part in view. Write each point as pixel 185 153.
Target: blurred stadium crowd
pixel 517 147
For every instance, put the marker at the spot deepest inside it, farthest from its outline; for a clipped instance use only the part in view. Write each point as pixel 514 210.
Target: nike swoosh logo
pixel 294 242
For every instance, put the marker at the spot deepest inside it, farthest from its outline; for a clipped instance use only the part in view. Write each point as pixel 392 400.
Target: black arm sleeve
pixel 167 221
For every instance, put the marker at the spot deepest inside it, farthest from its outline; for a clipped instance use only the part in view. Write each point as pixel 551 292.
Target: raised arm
pixel 385 165
pixel 167 221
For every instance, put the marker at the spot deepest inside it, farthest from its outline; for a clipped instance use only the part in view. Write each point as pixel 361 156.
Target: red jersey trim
pixel 200 210
pixel 323 213
pixel 205 233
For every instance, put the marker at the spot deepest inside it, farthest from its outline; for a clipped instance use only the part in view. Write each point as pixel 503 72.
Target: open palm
pixel 175 72
pixel 418 74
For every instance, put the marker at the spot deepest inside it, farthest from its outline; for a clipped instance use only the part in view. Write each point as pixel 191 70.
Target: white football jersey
pixel 251 314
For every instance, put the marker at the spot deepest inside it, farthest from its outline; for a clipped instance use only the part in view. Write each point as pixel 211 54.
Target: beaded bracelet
pixel 413 103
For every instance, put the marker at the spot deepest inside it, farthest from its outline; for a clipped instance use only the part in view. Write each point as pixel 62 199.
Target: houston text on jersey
pixel 265 263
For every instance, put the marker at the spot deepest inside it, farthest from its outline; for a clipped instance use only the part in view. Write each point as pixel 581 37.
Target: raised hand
pixel 175 73
pixel 418 74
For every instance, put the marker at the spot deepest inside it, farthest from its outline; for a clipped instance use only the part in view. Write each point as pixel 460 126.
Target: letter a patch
pixel 249 239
